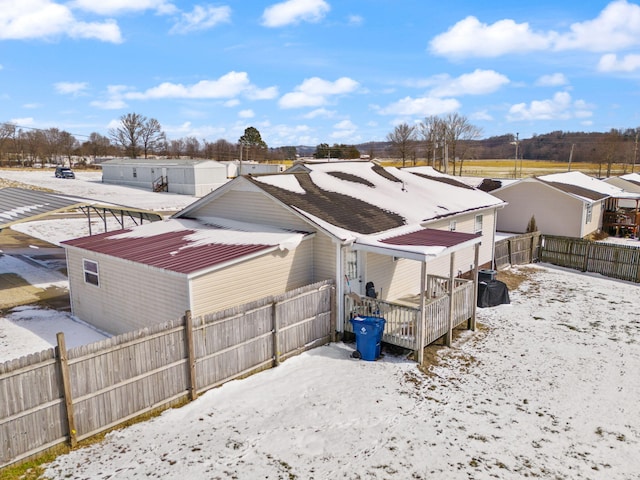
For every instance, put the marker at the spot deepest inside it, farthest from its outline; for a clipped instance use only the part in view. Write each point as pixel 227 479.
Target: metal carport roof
pixel 21 205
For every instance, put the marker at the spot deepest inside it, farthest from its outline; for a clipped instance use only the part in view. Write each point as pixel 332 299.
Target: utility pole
pixel 635 155
pixel 515 167
pixel 571 156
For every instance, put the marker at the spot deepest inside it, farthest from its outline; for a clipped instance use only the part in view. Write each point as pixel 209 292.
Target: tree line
pixel 444 142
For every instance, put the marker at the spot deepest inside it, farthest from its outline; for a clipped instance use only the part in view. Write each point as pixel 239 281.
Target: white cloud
pixel 248 113
pixel 294 11
pixel 113 7
pixel 44 19
pixel 478 82
pixel 111 104
pixel 471 38
pixel 254 93
pixel 422 106
pixel 344 129
pixel 560 107
pixel 234 102
pixel 611 63
pixel 355 20
pixel 202 18
pixel 313 92
pixel 482 115
pixel 229 85
pixel 320 112
pixel 552 80
pixel 616 27
pixel 22 121
pixel 71 88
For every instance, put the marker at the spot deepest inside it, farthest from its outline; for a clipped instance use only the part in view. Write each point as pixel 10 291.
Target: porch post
pixel 474 305
pixel 449 334
pixel 422 321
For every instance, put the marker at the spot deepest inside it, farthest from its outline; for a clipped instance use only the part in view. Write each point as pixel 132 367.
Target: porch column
pixel 474 305
pixel 449 334
pixel 422 321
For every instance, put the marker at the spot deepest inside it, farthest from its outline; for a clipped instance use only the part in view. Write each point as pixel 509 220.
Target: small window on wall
pixel 135 173
pixel 478 224
pixel 90 269
pixel 452 226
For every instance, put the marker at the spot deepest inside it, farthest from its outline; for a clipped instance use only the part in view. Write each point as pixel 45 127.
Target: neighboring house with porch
pixel 569 204
pixel 175 175
pixel 412 235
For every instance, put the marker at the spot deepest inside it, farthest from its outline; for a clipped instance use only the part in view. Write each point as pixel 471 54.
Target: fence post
pixel 66 388
pixel 585 264
pixel 191 355
pixel 449 335
pixel 276 334
pixel 474 307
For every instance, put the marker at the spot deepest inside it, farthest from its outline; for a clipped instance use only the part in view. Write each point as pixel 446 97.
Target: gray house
pixel 175 175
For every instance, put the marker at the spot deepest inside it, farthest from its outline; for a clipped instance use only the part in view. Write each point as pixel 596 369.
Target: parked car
pixel 64 172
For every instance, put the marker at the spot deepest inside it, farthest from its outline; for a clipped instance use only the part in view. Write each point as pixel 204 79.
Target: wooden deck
pixel 402 315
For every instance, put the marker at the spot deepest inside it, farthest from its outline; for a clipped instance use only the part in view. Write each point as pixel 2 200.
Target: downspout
pixel 339 289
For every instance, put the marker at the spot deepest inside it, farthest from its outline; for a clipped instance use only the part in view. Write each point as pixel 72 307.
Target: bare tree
pixel 128 133
pixel 402 139
pixel 192 147
pixel 458 128
pixel 151 136
pixel 7 131
pixel 432 131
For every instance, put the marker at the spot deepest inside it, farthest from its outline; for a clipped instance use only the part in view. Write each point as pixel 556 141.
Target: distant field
pixel 527 168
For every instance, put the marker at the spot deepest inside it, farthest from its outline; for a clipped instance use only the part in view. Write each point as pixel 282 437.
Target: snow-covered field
pixel 548 387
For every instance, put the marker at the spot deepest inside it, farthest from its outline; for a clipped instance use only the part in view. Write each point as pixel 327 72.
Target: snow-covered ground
pixel 88 184
pixel 546 388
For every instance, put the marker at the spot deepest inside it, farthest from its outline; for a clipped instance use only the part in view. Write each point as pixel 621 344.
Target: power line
pixel 15 125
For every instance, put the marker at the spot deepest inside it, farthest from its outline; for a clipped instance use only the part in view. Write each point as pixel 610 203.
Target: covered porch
pixel 439 304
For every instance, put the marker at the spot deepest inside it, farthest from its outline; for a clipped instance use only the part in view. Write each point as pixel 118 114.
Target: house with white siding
pixel 569 204
pixel 350 222
pixel 175 175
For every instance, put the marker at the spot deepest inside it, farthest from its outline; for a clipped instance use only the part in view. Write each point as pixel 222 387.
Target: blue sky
pixel 319 71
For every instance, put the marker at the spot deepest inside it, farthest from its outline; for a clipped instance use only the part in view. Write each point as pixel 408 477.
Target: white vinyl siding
pixel 324 258
pixel 252 207
pixel 270 274
pixel 131 296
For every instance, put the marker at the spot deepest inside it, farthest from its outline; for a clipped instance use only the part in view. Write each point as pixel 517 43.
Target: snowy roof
pixel 581 185
pixel 189 246
pixel 350 199
pixel 632 177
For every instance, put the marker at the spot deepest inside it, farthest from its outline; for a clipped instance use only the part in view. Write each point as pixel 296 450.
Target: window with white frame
pixel 589 213
pixel 91 274
pixel 477 228
pixel 452 225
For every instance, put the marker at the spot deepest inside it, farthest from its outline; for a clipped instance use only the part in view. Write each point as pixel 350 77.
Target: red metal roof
pixel 430 237
pixel 171 250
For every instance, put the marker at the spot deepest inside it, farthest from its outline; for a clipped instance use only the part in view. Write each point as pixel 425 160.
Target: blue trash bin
pixel 368 332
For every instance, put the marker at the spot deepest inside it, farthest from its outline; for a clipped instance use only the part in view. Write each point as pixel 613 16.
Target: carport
pixel 19 205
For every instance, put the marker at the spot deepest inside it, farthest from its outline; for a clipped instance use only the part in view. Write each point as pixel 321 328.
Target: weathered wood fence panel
pixel 615 261
pixel 122 377
pixel 32 414
pixel 517 250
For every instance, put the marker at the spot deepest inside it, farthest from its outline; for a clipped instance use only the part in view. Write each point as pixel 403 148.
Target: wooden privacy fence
pixel 517 250
pixel 60 395
pixel 615 261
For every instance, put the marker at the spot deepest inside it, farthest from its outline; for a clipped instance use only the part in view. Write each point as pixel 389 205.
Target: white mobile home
pixel 183 176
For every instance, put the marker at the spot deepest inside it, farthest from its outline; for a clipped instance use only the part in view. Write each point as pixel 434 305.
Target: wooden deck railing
pixel 401 325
